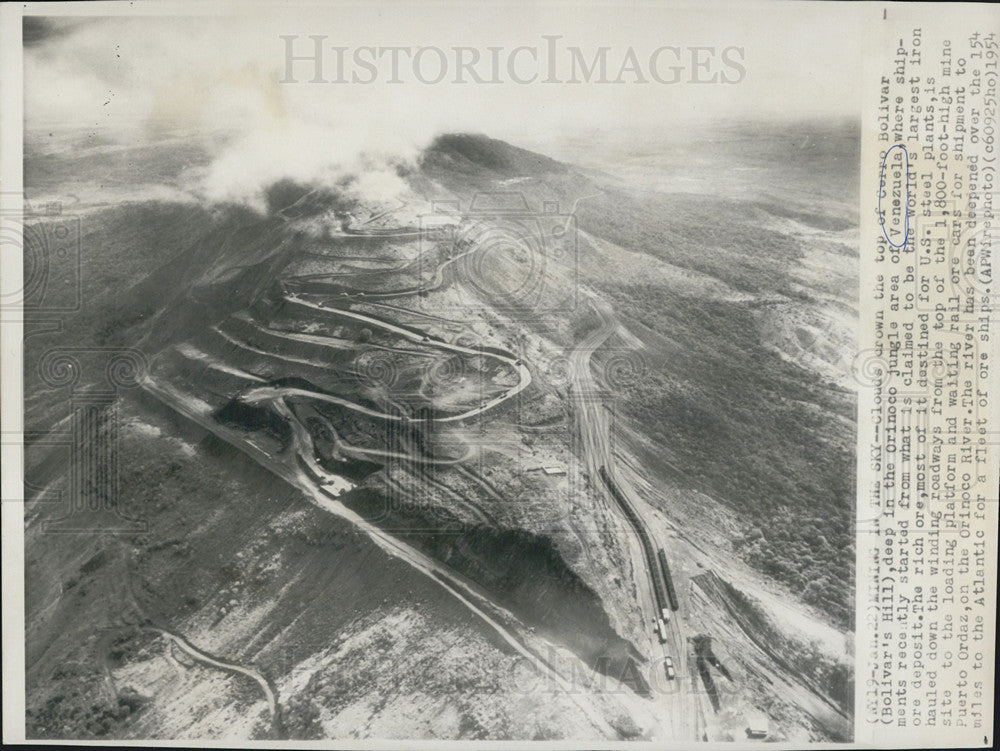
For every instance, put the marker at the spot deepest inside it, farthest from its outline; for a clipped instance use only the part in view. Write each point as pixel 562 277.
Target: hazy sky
pixel 135 76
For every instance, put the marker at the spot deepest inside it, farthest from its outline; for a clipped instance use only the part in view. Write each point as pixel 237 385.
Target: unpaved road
pixel 204 657
pixel 269 393
pixel 594 430
pixel 456 585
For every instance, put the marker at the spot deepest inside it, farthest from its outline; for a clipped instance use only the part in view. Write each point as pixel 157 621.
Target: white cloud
pixel 139 76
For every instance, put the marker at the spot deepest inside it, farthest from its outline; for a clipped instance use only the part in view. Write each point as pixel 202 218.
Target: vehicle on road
pixel 661 629
pixel 668 666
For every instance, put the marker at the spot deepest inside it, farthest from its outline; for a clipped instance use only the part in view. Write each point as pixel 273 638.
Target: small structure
pixel 554 470
pixel 758 727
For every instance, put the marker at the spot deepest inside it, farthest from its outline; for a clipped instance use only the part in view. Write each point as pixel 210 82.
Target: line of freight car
pixel 647 544
pixel 667 579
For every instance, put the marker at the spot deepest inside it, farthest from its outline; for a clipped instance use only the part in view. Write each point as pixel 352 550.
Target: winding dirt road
pixel 455 584
pixel 299 467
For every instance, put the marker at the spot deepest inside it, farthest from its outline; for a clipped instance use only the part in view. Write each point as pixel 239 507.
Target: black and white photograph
pixel 426 373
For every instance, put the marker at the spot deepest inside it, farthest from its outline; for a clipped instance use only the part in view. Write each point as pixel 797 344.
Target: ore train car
pixel 661 629
pixel 659 592
pixel 667 579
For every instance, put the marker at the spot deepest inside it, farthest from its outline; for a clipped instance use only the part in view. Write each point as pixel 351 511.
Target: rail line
pixel 663 593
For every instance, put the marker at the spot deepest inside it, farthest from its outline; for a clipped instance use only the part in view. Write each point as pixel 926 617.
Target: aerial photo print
pixel 449 374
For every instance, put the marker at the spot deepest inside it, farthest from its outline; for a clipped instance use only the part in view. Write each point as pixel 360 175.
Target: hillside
pixel 362 434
